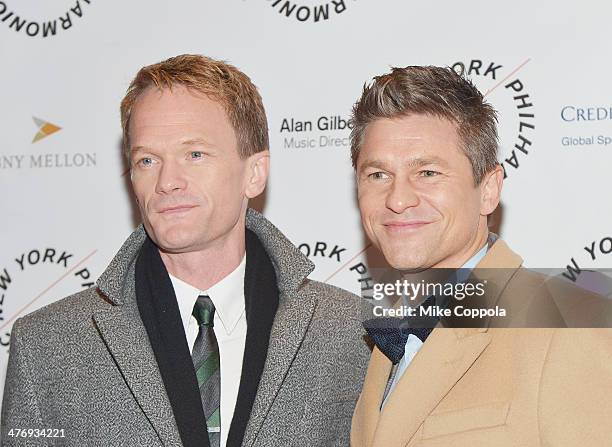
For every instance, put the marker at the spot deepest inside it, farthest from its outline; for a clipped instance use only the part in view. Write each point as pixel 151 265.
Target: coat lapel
pixel 289 329
pixel 441 362
pixel 295 310
pixel 127 341
pixel 367 411
pixel 122 330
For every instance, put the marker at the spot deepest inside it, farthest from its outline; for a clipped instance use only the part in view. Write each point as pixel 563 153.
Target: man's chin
pixel 410 267
pixel 173 240
pixel 176 247
pixel 400 261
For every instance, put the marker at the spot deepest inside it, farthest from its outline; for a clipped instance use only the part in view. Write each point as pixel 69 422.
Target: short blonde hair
pixel 217 80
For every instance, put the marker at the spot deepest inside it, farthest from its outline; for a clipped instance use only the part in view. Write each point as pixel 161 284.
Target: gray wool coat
pixel 85 364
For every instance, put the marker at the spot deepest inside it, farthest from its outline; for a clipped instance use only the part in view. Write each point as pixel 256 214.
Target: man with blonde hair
pixel 204 329
pixel 424 147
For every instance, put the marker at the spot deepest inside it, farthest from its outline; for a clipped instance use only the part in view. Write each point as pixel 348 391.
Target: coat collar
pixel 290 264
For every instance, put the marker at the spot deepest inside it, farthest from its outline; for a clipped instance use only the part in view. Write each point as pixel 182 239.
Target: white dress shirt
pixel 230 328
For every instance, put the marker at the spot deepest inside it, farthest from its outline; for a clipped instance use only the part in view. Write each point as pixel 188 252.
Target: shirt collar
pixel 466 269
pixel 474 260
pixel 227 295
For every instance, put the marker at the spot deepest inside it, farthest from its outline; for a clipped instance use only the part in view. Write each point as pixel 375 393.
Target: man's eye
pixel 196 155
pixel 429 173
pixel 378 175
pixel 145 162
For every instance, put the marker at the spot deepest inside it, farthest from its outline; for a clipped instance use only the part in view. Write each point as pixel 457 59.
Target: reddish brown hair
pixel 217 80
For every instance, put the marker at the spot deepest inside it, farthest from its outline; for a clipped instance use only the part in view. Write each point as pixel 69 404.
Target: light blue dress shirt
pixel 413 344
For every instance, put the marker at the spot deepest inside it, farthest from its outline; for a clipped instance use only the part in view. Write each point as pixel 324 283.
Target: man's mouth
pixel 408 225
pixel 176 209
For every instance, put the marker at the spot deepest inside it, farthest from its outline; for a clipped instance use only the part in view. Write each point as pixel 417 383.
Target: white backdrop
pixel 65 203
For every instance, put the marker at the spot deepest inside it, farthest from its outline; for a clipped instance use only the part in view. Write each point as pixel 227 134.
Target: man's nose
pixel 170 179
pixel 401 196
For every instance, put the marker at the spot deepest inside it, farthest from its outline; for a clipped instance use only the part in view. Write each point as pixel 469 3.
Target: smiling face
pixel 416 192
pixel 191 185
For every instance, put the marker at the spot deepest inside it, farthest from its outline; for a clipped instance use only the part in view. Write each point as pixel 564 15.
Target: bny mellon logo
pixel 45 128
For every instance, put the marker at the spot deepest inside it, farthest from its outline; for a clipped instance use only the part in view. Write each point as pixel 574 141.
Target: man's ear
pixel 258 168
pixel 490 190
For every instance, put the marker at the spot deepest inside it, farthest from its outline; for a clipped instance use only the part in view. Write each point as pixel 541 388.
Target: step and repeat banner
pixel 66 204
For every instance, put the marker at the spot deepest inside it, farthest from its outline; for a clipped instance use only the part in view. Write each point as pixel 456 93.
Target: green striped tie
pixel 205 357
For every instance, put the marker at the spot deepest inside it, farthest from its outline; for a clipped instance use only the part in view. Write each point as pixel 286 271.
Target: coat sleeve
pixel 20 408
pixel 575 394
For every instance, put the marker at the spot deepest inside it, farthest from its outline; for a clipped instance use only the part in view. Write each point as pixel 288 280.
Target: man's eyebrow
pixel 139 148
pixel 372 163
pixel 418 162
pixel 188 142
pixel 195 142
pixel 415 162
